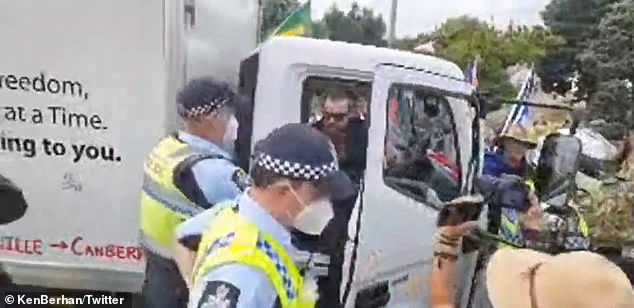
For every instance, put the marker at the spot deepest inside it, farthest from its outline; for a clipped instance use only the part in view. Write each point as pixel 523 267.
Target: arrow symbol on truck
pixel 61 245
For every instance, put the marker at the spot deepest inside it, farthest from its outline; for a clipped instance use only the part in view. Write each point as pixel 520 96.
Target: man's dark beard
pixel 338 138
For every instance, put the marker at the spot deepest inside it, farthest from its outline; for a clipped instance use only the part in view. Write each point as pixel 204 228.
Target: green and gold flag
pixel 298 23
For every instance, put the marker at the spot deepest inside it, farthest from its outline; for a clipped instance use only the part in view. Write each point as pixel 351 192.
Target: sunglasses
pixel 335 116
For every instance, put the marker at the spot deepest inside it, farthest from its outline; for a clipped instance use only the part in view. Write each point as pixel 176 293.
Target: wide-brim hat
pixel 576 280
pixel 520 135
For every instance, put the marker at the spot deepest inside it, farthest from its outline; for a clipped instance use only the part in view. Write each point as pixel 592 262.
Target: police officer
pixel 244 257
pixel 185 173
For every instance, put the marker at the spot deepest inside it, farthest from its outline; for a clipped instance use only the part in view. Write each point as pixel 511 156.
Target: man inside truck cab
pixel 185 173
pixel 246 257
pixel 343 121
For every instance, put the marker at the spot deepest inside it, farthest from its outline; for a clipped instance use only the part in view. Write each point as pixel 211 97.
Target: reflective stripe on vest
pixel 233 239
pixel 581 241
pixel 510 229
pixel 163 205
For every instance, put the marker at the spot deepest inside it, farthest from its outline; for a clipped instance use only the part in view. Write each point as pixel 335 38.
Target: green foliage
pixel 358 25
pixel 598 36
pixel 610 216
pixel 576 22
pixel 610 58
pixel 463 38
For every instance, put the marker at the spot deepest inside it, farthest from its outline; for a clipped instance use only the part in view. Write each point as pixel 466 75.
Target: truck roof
pixel 287 50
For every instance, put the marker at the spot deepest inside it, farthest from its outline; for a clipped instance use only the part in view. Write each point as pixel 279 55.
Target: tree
pixel 409 43
pixel 463 38
pixel 610 57
pixel 576 22
pixel 358 25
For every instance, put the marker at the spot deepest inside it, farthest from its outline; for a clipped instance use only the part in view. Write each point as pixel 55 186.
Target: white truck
pixel 86 90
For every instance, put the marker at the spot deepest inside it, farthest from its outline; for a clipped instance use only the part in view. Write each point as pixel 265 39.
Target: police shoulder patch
pixel 219 294
pixel 241 179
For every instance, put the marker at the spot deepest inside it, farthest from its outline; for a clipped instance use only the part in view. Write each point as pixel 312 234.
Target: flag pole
pixel 258 38
pixel 299 7
pixel 513 112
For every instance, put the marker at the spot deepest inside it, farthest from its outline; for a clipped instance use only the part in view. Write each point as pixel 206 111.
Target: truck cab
pixel 420 151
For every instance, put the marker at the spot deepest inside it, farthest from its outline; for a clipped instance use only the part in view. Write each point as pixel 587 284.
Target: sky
pixel 415 16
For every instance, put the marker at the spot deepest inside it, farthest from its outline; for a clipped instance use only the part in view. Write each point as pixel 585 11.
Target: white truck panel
pixel 86 90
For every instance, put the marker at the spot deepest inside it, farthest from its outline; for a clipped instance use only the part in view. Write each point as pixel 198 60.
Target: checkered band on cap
pixel 212 105
pixel 295 170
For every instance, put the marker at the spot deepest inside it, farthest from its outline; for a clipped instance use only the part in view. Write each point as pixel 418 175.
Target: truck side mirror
pixel 557 168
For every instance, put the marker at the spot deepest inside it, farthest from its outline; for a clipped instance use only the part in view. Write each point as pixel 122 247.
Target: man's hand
pixel 458 231
pixel 460 210
pixel 534 217
pixel 185 259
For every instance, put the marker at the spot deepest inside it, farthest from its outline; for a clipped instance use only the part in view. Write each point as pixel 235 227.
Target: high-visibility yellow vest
pixel 231 238
pixel 510 228
pixel 163 205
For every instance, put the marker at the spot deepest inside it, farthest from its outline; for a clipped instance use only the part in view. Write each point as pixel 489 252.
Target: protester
pixel 529 279
pixel 343 121
pixel 510 157
pixel 523 278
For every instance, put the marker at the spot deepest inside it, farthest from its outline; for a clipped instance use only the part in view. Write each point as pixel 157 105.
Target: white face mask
pixel 314 217
pixel 231 133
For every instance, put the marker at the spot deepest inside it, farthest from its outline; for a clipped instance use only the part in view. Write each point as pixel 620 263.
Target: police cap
pixel 203 96
pixel 300 152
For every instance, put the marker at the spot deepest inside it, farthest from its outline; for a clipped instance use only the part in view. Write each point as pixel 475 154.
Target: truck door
pixel 413 166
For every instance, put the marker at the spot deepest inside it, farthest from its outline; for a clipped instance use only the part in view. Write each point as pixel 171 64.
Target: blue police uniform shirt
pixel 215 177
pixel 238 285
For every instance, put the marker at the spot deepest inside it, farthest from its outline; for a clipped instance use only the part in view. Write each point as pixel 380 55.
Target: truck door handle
pixel 375 296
